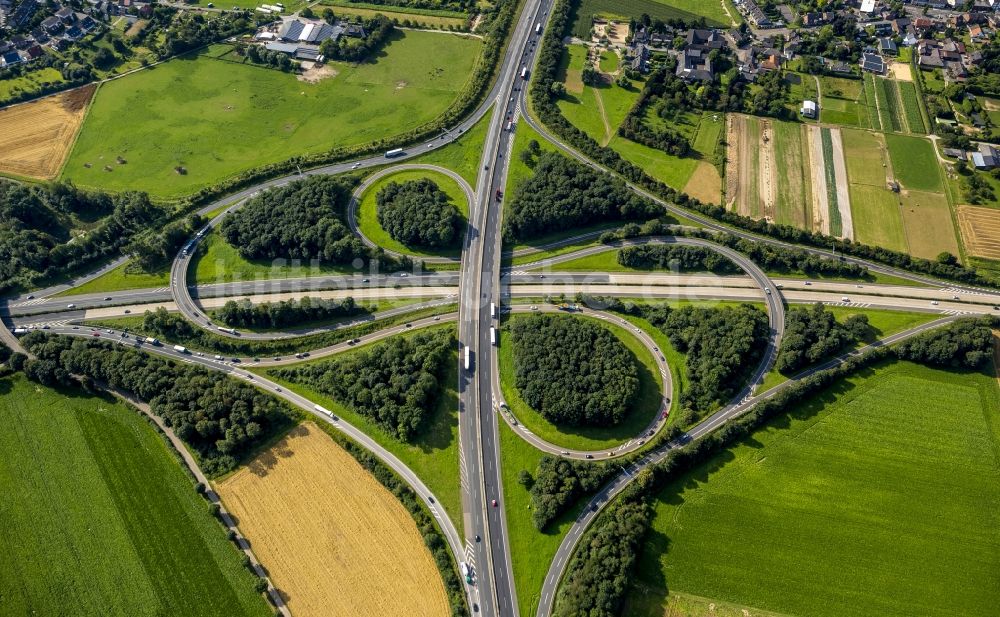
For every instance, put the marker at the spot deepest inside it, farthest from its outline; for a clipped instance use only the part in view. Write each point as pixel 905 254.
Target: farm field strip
pixel 35 137
pixel 817 169
pixel 840 175
pixel 911 105
pixel 321 524
pixel 980 229
pixel 830 175
pixel 871 103
pixel 885 92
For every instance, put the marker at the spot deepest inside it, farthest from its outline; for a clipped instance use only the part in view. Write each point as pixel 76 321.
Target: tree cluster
pixel 559 482
pixel 303 220
pixel 573 371
pixel 396 383
pixel 35 224
pixel 813 334
pixel 966 343
pixel 723 346
pixel 276 59
pixel 221 419
pixel 418 213
pixel 676 257
pixel 277 315
pixel 350 49
pixel 563 194
pixel 463 6
pixel 598 575
pixel 190 29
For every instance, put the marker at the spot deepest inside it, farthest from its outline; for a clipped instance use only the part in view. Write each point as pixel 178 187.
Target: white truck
pixel 20 330
pixel 468 358
pixel 538 28
pixel 180 349
pixel 493 336
pixel 322 409
pixel 493 310
pixel 152 341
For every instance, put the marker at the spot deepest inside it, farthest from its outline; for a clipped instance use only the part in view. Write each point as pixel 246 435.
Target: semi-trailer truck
pixel 493 310
pixel 493 335
pixel 180 349
pixel 394 153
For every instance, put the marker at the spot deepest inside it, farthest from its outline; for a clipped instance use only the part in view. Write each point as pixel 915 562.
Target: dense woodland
pixel 966 343
pixel 559 482
pixel 723 347
pixel 276 315
pixel 676 257
pixel 396 383
pixel 219 418
pixel 573 371
pixel 303 220
pixel 813 334
pixel 40 229
pixel 418 213
pixel 563 194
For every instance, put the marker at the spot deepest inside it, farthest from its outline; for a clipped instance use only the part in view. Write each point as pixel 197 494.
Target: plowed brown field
pixel 980 231
pixel 35 137
pixel 334 540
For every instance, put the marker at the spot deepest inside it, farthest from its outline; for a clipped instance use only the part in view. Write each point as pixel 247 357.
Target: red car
pixel 95 334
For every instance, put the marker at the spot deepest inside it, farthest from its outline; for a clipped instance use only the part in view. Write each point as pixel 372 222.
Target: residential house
pixel 900 25
pixel 52 25
pixel 705 39
pixel 954 153
pixel 66 15
pixel 986 157
pixel 22 15
pixel 887 47
pixel 872 62
pixel 640 58
pixel 694 65
pixel 754 14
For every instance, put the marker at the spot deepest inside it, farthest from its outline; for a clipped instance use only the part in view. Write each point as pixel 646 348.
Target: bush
pixel 966 343
pixel 418 213
pixel 676 257
pixel 395 384
pixel 559 482
pixel 573 371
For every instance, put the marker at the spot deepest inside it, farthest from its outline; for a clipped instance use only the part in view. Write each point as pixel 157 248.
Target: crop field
pixel 914 163
pixel 888 104
pixel 911 107
pixel 646 406
pixel 875 209
pixel 434 452
pixel 794 188
pixel 368 210
pixel 334 540
pixel 874 121
pixel 100 519
pixel 928 224
pixel 980 229
pixel 211 118
pixel 836 219
pixel 598 111
pixel 879 497
pixel 688 10
pixel 35 137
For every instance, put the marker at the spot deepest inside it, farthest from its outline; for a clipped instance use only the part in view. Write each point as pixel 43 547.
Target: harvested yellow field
pixel 705 184
pixel 334 540
pixel 35 137
pixel 980 231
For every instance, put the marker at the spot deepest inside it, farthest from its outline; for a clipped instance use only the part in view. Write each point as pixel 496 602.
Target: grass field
pixel 877 218
pixel 216 118
pixel 100 519
pixel 368 212
pixel 843 101
pixel 687 10
pixel 462 156
pixel 430 18
pixel 518 171
pixel 119 279
pixel 914 163
pixel 37 136
pixel 219 262
pixel 32 82
pixel 598 111
pixel 322 525
pixel 531 550
pixel 879 497
pixel 434 454
pixel 646 406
